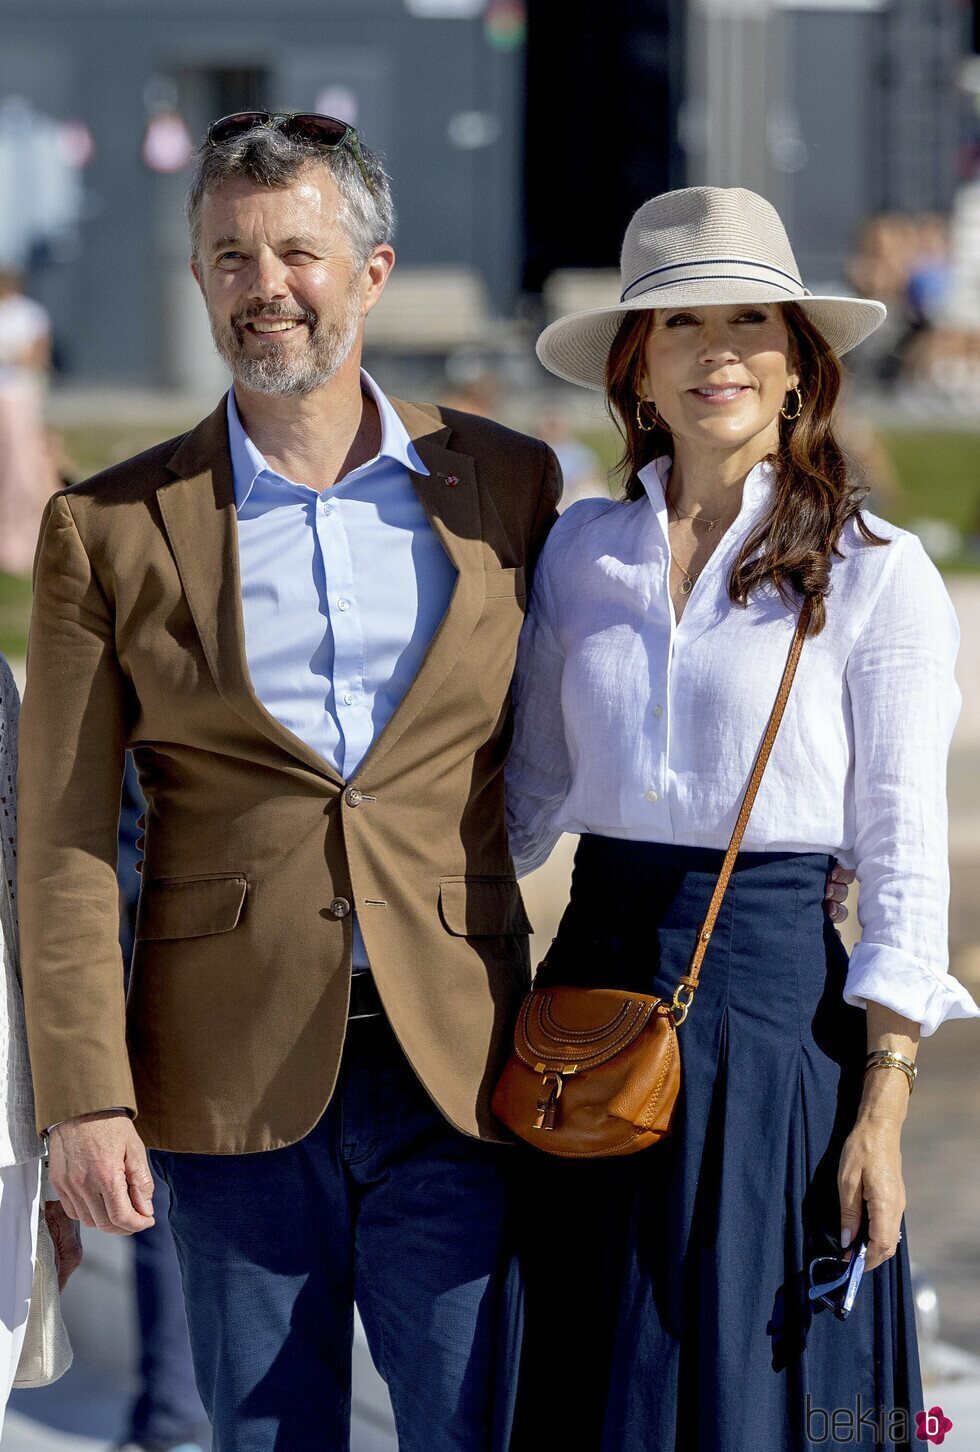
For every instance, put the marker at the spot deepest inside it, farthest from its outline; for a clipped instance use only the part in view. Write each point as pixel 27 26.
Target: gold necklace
pixel 697 518
pixel 687 583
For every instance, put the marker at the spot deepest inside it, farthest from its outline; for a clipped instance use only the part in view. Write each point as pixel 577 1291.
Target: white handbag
pixel 46 1353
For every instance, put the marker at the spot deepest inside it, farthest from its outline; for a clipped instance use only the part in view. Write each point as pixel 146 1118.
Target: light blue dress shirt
pixel 342 592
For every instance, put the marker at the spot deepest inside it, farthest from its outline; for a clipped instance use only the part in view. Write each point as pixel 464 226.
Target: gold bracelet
pixel 891 1059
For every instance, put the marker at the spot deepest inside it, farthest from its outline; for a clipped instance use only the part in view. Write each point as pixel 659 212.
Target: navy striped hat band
pixel 690 271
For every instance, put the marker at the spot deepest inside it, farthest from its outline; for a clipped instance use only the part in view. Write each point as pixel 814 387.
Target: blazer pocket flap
pixel 506 583
pixel 189 907
pixel 483 907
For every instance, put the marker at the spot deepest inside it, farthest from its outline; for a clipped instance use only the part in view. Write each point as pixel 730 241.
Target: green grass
pixel 92 447
pixel 15 608
pixel 939 475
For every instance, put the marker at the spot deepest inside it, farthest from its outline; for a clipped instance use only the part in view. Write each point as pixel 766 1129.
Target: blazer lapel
pixel 200 519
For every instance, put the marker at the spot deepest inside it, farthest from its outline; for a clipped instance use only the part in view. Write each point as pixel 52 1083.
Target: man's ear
pixel 376 274
pixel 195 267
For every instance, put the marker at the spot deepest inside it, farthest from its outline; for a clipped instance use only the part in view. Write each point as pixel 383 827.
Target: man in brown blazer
pixel 301 618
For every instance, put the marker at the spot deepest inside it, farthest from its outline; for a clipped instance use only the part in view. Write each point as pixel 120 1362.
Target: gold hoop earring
pixel 658 422
pixel 799 405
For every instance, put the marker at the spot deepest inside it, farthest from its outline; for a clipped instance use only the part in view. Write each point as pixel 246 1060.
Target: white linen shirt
pixel 631 725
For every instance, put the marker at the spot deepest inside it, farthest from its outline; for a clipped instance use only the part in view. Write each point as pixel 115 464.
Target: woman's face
pixel 719 375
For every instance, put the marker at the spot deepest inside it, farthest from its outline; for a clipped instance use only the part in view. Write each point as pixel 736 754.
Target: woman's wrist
pixel 885 1099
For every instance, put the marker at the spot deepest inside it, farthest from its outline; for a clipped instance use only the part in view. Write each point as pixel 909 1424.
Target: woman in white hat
pixel 680 1287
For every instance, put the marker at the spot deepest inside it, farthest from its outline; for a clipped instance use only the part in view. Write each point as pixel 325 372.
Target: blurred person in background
pixel 929 276
pixel 905 261
pixel 28 474
pixel 581 471
pixel 879 268
pixel 167 1414
pixel 302 618
pixel 21 1148
pixel 473 386
pixel 681 1281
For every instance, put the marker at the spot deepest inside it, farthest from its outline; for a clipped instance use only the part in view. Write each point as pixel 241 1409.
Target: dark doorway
pixel 604 85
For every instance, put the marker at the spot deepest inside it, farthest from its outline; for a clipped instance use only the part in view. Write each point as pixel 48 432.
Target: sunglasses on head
pixel 327 132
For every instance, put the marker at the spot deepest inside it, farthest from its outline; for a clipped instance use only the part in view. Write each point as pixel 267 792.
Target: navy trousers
pixel 383 1203
pixel 168 1409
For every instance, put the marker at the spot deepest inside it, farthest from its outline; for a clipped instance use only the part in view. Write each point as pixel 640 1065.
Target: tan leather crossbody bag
pixel 595 1072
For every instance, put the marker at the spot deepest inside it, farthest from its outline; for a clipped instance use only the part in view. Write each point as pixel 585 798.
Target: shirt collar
pixel 756 494
pixel 247 463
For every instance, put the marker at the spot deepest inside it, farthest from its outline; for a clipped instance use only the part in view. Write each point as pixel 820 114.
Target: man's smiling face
pixel 282 287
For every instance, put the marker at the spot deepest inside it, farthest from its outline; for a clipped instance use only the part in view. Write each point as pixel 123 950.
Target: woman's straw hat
pixel 693 248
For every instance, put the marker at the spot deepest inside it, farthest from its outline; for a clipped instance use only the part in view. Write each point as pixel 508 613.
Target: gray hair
pixel 269 159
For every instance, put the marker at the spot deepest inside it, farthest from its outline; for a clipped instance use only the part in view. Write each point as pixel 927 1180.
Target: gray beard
pixel 278 373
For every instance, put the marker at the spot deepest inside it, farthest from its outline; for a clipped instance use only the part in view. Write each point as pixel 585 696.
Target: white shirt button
pixel 348 698
pixel 651 795
pixel 342 604
pixel 326 507
pixel 658 711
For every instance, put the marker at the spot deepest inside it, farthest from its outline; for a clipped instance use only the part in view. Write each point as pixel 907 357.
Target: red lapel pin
pixel 451 480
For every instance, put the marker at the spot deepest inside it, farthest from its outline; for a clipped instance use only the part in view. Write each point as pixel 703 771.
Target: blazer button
pixel 353 797
pixel 340 907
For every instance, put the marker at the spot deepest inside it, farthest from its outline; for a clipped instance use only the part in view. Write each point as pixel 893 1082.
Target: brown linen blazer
pixel 254 847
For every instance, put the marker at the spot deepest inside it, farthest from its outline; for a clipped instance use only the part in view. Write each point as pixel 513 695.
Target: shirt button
pixel 340 907
pixel 651 795
pixel 353 797
pixel 325 507
pixel 348 698
pixel 658 711
pixel 342 604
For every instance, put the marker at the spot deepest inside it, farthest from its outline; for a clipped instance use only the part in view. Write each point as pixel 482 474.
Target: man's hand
pixel 67 1241
pixel 99 1168
pixel 836 895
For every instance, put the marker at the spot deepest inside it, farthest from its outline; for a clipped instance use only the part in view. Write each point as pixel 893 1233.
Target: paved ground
pixel 85 1412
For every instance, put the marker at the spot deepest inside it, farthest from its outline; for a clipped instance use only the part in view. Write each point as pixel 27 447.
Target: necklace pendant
pixel 686 587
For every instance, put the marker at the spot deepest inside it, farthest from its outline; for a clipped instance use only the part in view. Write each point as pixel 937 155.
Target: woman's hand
pixel 835 896
pixel 871 1165
pixel 871 1171
pixel 67 1240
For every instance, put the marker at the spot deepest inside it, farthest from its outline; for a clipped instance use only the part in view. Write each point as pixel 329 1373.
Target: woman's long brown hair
pixel 814 497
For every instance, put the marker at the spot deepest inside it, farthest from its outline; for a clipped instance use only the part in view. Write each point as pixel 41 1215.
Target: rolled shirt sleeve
pixel 904 704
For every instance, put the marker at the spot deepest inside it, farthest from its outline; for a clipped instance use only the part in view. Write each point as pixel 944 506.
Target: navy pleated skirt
pixel 666 1291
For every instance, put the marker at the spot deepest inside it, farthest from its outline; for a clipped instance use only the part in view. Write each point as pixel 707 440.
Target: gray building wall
pixel 112 283
pixel 834 109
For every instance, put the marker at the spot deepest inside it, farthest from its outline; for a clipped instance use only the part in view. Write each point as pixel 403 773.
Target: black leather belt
pixel 364 999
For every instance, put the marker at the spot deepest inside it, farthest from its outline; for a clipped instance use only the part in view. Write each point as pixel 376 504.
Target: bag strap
pixel 689 982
